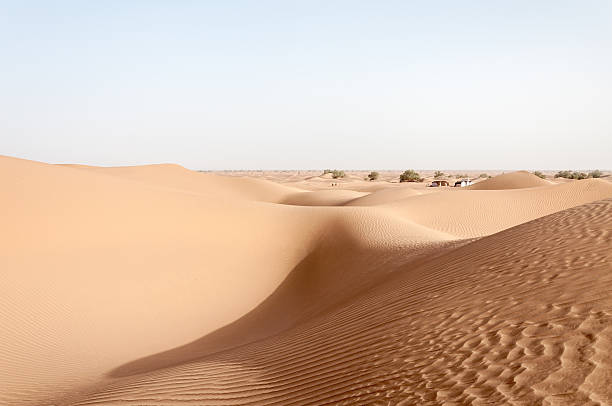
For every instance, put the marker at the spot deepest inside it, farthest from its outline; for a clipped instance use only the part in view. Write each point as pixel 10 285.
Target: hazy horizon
pixel 449 171
pixel 272 85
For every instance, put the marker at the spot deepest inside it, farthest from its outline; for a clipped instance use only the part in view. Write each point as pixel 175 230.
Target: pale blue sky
pixel 308 84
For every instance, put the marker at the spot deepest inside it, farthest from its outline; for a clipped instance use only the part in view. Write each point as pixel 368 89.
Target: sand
pixel 156 285
pixel 513 180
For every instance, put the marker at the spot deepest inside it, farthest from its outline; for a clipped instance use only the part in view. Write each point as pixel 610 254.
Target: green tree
pixel 410 176
pixel 338 174
pixel 571 175
pixel 373 175
pixel 595 174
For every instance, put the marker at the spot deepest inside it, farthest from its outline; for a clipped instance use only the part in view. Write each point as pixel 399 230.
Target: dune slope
pixel 513 180
pixel 93 261
pixel 322 198
pixel 175 177
pixel 384 196
pixel 468 214
pixel 520 317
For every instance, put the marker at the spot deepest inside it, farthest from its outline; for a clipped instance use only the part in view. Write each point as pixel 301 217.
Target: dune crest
pixel 512 180
pixel 469 214
pixel 332 197
pixel 178 178
pixel 383 196
pixel 495 331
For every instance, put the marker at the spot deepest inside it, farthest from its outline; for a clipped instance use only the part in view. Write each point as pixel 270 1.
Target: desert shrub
pixel 571 175
pixel 338 174
pixel 580 175
pixel 461 175
pixel 373 175
pixel 595 174
pixel 410 176
pixel 326 171
pixel 539 174
pixel 483 175
pixel 438 174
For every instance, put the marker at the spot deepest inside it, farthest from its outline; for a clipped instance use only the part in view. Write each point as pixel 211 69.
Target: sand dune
pixel 468 214
pixel 175 177
pixel 383 196
pixel 513 180
pixel 322 198
pixel 157 285
pixel 92 261
pixel 481 324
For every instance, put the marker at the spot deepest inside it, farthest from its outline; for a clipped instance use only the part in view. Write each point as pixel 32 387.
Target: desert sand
pixel 157 285
pixel 514 180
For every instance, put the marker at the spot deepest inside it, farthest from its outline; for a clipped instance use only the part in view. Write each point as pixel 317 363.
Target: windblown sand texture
pixel 514 180
pixel 156 285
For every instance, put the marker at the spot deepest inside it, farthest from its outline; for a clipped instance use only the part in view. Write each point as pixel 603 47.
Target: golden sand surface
pixel 158 285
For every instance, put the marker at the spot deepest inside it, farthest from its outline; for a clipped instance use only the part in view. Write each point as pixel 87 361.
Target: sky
pixel 308 84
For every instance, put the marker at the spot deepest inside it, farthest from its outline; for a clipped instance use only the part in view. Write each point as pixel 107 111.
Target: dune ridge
pixel 469 214
pixel 176 177
pixel 496 331
pixel 158 285
pixel 332 197
pixel 512 180
pixel 87 247
pixel 384 196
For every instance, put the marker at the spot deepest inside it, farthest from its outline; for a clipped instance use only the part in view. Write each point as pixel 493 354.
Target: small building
pixel 437 183
pixel 463 183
